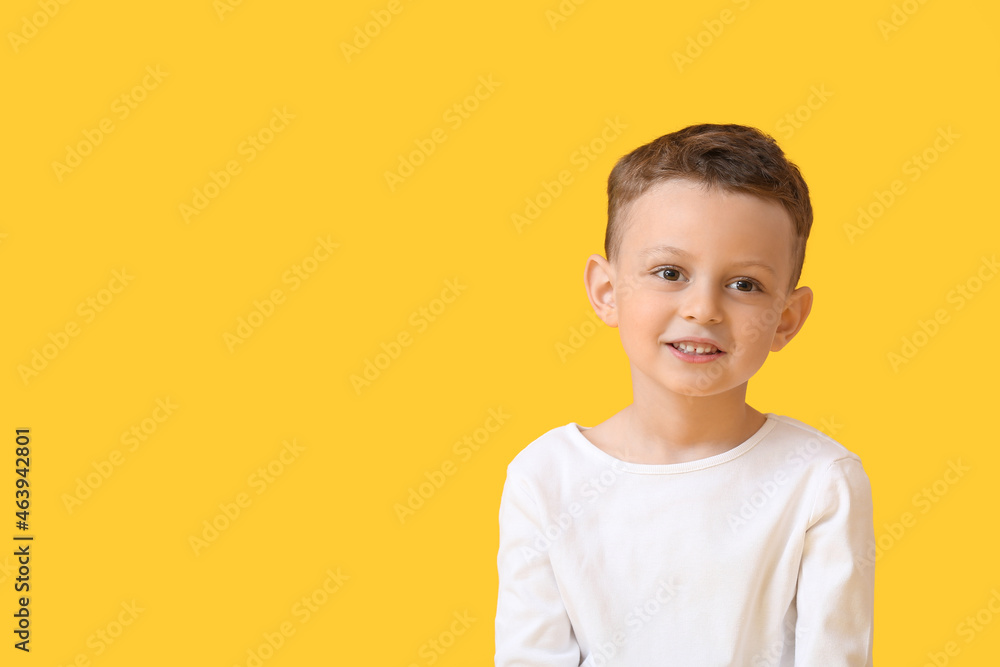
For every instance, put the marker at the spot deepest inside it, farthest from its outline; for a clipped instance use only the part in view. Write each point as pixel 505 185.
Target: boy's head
pixel 706 235
pixel 733 158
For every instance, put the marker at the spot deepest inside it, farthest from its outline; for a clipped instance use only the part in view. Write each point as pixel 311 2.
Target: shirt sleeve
pixel 836 587
pixel 532 626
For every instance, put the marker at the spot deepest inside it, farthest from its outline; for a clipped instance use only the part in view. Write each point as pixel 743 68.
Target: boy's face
pixel 706 269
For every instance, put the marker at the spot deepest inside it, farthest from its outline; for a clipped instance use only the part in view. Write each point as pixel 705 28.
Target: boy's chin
pixel 707 388
pixel 692 382
pixel 695 393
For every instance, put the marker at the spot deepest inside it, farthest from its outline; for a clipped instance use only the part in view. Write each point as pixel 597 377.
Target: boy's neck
pixel 662 428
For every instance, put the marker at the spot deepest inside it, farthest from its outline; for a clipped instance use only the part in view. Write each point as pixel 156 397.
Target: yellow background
pixel 886 95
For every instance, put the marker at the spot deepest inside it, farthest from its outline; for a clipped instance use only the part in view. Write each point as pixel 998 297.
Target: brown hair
pixel 733 158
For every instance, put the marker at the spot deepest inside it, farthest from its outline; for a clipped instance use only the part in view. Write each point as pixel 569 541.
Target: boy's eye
pixel 668 273
pixel 744 285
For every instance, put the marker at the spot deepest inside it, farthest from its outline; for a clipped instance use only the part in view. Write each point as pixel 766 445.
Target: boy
pixel 690 529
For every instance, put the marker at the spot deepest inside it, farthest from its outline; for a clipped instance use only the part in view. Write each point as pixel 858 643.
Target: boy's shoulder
pixel 802 451
pixel 556 467
pixel 801 435
pixel 547 450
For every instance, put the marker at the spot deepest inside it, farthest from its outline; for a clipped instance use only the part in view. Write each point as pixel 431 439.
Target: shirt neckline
pixel 575 432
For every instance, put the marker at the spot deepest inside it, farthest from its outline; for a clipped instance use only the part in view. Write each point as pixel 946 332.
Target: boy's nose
pixel 701 304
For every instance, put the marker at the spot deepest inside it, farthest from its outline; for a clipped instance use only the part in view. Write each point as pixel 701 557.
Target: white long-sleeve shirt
pixel 759 556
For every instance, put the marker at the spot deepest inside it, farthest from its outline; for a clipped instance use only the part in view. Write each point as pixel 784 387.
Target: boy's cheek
pixel 751 332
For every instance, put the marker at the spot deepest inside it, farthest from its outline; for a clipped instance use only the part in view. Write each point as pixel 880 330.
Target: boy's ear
pixel 797 308
pixel 598 278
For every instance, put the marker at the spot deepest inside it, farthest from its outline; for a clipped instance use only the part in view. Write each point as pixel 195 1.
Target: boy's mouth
pixel 697 348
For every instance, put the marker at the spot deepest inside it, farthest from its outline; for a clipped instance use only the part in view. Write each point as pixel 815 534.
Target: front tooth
pixel 696 349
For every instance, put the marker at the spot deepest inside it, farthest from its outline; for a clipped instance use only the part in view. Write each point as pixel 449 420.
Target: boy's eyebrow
pixel 656 251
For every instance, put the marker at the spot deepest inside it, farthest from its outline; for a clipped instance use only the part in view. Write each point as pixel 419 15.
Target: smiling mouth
pixel 696 348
